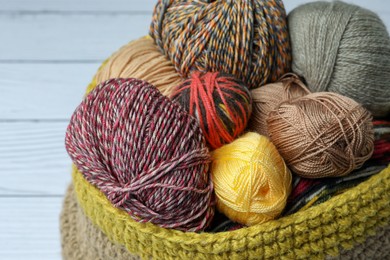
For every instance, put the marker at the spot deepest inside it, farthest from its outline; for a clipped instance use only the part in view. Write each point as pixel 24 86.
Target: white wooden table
pixel 49 51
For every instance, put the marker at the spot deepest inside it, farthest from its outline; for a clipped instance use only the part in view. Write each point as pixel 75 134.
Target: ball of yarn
pixel 251 180
pixel 145 153
pixel 269 96
pixel 322 134
pixel 248 39
pixel 342 48
pixel 143 60
pixel 221 103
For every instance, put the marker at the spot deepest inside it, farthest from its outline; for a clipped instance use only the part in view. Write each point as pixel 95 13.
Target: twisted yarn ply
pixel 342 48
pixel 310 192
pixel 269 96
pixel 247 39
pixel 144 153
pixel 322 134
pixel 251 180
pixel 141 59
pixel 220 102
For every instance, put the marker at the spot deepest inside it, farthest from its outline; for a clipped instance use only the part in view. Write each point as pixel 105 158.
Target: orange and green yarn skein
pixel 248 39
pixel 221 103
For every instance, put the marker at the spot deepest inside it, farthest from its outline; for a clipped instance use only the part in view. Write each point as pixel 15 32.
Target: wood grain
pixel 135 5
pixel 77 5
pixel 42 91
pixel 29 228
pixel 70 38
pixel 85 38
pixel 33 160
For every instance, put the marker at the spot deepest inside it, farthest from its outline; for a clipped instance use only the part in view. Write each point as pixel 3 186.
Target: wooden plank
pixel 73 37
pixel 30 228
pixel 76 5
pixel 33 159
pixel 42 91
pixel 67 37
pixel 135 5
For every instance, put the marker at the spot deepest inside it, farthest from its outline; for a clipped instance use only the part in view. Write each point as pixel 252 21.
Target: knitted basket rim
pixel 339 223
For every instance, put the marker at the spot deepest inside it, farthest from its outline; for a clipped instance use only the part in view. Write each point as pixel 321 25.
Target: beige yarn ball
pixel 141 59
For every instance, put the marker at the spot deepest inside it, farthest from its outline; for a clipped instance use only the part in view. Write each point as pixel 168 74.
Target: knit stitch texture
pixel 82 240
pixel 340 223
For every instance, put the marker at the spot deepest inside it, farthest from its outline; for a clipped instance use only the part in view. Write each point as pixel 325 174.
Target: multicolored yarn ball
pixel 342 48
pixel 220 102
pixel 269 96
pixel 251 180
pixel 248 39
pixel 322 134
pixel 145 153
pixel 143 60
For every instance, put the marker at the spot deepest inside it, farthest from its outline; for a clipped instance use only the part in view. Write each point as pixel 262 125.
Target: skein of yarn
pixel 248 39
pixel 342 48
pixel 145 153
pixel 322 134
pixel 251 180
pixel 220 102
pixel 269 96
pixel 143 60
pixel 309 192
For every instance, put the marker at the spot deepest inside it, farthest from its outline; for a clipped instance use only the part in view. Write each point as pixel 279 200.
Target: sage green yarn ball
pixel 342 48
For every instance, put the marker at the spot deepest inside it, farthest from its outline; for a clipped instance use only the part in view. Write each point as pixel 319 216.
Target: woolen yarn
pixel 248 39
pixel 269 96
pixel 322 134
pixel 221 103
pixel 310 192
pixel 251 180
pixel 143 60
pixel 342 48
pixel 145 153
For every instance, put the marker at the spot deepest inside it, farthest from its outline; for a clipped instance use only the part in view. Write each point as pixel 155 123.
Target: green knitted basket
pixel 354 224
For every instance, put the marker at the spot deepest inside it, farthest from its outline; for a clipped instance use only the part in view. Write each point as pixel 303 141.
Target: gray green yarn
pixel 345 49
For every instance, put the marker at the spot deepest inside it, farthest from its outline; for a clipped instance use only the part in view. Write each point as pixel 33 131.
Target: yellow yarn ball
pixel 251 180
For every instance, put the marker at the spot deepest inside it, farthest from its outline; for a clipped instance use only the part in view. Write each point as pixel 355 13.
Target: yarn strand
pixel 144 153
pixel 247 39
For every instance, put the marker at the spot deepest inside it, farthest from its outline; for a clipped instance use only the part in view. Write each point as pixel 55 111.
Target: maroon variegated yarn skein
pixel 145 153
pixel 220 102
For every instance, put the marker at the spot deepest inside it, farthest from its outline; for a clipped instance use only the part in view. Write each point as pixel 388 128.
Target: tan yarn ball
pixel 322 134
pixel 269 96
pixel 141 59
